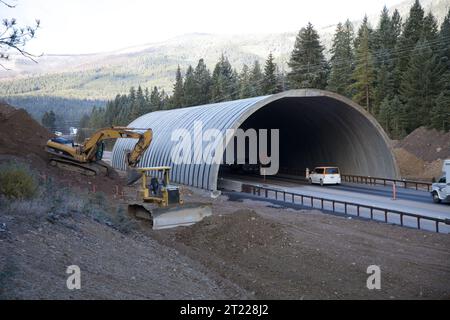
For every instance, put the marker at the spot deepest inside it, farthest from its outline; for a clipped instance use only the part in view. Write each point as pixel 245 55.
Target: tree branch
pixel 7 4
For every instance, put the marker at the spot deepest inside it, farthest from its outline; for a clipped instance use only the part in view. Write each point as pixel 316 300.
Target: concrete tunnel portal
pixel 315 128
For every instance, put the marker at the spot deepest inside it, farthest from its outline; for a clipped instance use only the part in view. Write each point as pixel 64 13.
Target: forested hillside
pixel 378 61
pixel 399 71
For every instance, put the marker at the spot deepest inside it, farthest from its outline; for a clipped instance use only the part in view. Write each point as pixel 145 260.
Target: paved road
pixel 411 201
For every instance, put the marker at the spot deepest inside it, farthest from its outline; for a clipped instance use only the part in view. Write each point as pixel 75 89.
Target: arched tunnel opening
pixel 320 131
pixel 316 128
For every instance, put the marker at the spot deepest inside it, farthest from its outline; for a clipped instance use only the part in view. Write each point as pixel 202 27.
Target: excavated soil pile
pixel 21 135
pixel 23 139
pixel 427 145
pixel 421 153
pixel 231 235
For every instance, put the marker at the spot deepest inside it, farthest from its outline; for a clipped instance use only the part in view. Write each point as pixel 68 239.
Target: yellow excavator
pixel 158 202
pixel 86 158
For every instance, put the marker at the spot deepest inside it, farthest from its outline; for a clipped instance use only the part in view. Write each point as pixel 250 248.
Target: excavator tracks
pixel 87 169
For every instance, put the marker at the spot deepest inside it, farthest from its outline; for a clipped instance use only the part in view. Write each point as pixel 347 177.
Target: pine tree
pixel 245 90
pixel 165 100
pixel 392 117
pixel 385 39
pixel 155 100
pixel 270 84
pixel 364 28
pixel 342 59
pixel 396 23
pixel 224 81
pixel 430 30
pixel 177 100
pixel 190 91
pixel 444 42
pixel 140 101
pixel 309 69
pixel 412 31
pixel 384 87
pixel 398 120
pixel 363 76
pixel 420 85
pixel 49 120
pixel 256 80
pixel 281 80
pixel 136 98
pixel 440 113
pixel 386 115
pixel 203 83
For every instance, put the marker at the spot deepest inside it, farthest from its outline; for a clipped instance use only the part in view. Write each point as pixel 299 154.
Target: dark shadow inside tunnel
pixel 323 131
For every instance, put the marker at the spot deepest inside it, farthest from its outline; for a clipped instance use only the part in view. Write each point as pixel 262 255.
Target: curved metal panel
pixel 223 116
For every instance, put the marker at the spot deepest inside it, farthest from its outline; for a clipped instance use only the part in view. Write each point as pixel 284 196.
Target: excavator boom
pixel 86 157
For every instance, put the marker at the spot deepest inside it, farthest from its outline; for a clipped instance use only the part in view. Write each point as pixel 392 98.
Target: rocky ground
pixel 245 250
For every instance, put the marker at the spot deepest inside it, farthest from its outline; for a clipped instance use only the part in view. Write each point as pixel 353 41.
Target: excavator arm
pixel 83 158
pixel 89 148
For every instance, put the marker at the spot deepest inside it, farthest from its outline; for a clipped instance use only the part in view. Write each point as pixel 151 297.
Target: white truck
pixel 440 190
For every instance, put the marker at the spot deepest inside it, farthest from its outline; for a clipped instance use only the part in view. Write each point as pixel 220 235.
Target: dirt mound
pixel 23 139
pixel 232 235
pixel 420 155
pixel 426 144
pixel 21 135
pixel 412 167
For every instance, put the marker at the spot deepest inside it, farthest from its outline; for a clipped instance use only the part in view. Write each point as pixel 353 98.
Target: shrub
pixel 17 182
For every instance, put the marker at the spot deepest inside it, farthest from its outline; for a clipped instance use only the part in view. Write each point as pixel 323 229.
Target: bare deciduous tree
pixel 14 38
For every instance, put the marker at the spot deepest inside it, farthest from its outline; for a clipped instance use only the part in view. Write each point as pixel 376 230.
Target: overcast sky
pixel 87 26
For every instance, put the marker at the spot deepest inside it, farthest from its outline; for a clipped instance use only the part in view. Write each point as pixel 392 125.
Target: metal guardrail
pixel 407 184
pixel 284 195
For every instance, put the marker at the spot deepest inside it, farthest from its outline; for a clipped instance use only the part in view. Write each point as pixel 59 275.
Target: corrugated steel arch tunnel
pixel 315 128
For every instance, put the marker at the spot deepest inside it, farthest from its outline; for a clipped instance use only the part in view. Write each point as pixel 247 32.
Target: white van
pixel 325 175
pixel 440 191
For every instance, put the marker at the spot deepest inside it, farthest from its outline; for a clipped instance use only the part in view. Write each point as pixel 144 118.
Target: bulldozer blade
pixel 171 217
pixel 132 176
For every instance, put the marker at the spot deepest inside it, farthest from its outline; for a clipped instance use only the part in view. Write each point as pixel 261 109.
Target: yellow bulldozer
pixel 158 201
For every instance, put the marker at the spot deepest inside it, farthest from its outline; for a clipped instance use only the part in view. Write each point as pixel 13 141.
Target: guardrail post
pixel 394 191
pixel 257 190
